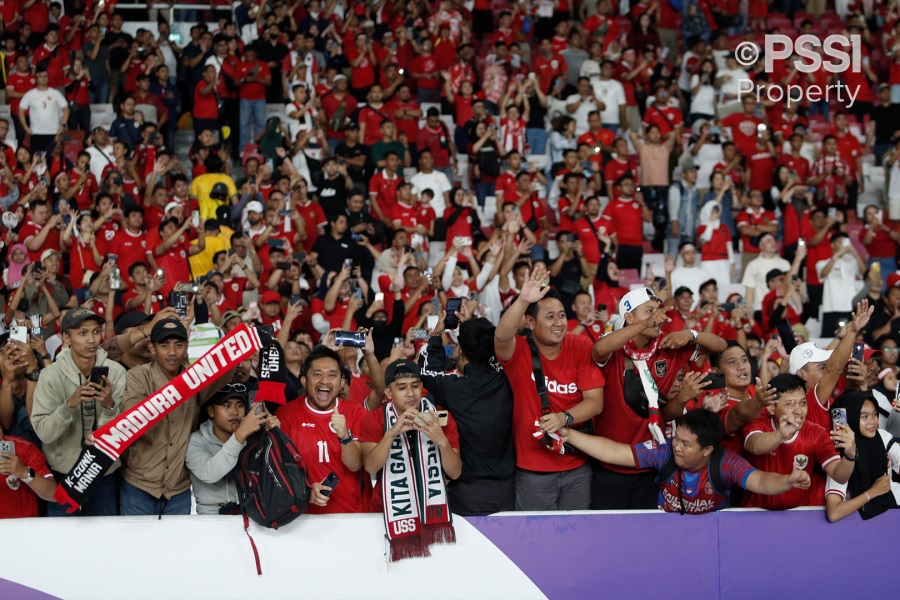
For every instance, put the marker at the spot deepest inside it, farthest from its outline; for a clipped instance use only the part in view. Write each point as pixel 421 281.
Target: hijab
pixel 603 271
pixel 871 457
pixel 712 225
pixel 14 274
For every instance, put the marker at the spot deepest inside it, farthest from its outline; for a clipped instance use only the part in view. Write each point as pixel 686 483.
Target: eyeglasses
pixel 890 349
pixel 235 387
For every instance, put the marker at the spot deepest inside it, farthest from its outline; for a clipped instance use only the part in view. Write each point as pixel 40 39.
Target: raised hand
pixel 339 423
pixel 861 316
pixel 533 289
pixel 766 396
pixel 799 478
pixel 788 426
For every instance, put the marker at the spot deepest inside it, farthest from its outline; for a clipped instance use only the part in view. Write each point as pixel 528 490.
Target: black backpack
pixel 271 482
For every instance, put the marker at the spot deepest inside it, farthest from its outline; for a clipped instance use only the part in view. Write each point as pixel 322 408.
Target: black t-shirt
pixel 887 120
pixel 344 151
pixel 332 253
pixel 332 194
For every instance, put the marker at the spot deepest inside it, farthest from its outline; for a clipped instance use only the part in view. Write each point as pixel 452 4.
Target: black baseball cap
pixel 131 319
pixel 168 328
pixel 77 316
pixel 682 290
pixel 773 274
pixel 401 369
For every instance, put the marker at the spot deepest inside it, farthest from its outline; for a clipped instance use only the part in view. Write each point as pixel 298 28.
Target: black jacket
pixel 481 402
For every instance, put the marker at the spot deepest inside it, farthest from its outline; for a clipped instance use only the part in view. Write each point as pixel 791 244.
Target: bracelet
pixel 847 457
pixel 868 499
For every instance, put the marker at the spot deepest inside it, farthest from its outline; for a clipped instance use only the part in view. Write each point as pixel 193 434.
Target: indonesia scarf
pixel 416 508
pixel 272 373
pixel 639 358
pixel 111 440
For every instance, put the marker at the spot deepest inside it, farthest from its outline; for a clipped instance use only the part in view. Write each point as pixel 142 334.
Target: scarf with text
pixel 639 358
pixel 272 373
pixel 416 509
pixel 111 440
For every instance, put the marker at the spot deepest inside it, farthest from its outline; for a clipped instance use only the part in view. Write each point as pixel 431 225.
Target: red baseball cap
pixel 869 353
pixel 270 297
pixel 893 280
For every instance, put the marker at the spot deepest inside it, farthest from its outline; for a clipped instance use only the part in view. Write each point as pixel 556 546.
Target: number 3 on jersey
pixel 323 451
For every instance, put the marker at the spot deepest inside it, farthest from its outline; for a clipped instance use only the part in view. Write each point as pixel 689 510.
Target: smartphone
pixel 18 333
pixel 601 307
pixel 420 334
pixel 195 219
pixel 267 329
pixel 284 213
pixel 716 381
pixel 260 408
pixel 431 322
pixel 275 243
pixel 348 263
pixel 465 241
pixel 416 240
pixel 283 265
pixel 473 296
pixel 97 375
pixel 330 481
pixel 442 417
pixel 353 339
pixel 451 321
pixel 379 297
pixel 179 301
pixel 859 351
pixel 295 298
pixel 726 306
pixel 232 252
pixel 787 336
pixel 398 343
pixel 838 419
pixel 8 447
pixel 299 256
pixel 801 242
pixel 89 296
pixel 795 278
pixel 160 273
pixel 832 213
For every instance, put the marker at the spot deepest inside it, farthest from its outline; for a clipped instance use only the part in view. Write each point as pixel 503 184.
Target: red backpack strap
pixel 252 544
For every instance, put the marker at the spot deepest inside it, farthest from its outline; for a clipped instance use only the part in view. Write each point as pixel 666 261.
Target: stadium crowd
pixel 557 239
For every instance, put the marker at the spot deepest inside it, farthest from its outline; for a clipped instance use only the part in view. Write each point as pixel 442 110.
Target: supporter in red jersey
pixel 56 58
pixel 821 369
pixel 130 243
pixel 783 440
pixel 548 65
pixel 690 489
pixel 588 321
pixel 793 160
pixel 880 239
pixel 41 232
pixel 744 126
pixel 171 244
pixel 33 479
pixel 326 431
pixel 627 214
pixel 594 231
pixel 571 202
pixel 617 167
pixel 637 348
pixel 546 480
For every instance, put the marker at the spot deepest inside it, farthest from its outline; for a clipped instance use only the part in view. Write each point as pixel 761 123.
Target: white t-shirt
pixel 707 157
pixel 755 276
pixel 581 113
pixel 46 110
pixel 731 85
pixel 833 487
pixel 704 101
pixel 839 285
pixel 691 277
pixel 435 181
pixel 612 94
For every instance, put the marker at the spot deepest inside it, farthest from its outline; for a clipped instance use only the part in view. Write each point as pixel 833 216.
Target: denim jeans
pixel 483 190
pixel 537 140
pixel 253 120
pixel 135 501
pixel 103 501
pixel 100 95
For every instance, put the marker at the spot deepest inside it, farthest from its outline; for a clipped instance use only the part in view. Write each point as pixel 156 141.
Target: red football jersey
pixel 319 446
pixel 812 441
pixel 567 375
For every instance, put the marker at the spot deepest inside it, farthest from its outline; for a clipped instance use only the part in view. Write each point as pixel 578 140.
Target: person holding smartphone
pixel 68 406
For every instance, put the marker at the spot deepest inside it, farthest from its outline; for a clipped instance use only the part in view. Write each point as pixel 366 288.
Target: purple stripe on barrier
pixel 728 555
pixel 11 589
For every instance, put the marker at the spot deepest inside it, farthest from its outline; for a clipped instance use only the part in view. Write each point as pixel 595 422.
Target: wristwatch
pixel 569 419
pixel 34 375
pixel 695 333
pixel 29 475
pixel 347 439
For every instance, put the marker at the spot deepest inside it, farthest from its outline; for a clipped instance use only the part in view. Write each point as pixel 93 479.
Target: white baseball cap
pixel 171 206
pixel 807 353
pixel 255 206
pixel 635 298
